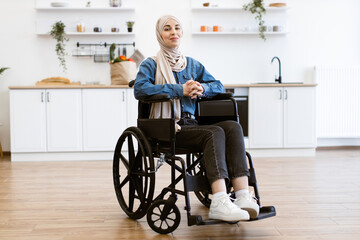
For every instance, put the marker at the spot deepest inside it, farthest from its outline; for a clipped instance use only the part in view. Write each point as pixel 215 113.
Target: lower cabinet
pixel 282 117
pixel 28 121
pixel 46 120
pixel 88 122
pixel 69 120
pixel 104 111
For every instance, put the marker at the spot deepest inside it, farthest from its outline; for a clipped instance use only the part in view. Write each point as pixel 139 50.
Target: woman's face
pixel 172 33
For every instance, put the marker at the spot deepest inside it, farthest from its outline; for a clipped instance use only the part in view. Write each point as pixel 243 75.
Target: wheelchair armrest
pixel 156 98
pixel 220 96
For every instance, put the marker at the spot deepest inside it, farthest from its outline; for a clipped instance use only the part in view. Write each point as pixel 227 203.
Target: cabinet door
pixel 28 121
pixel 105 117
pixel 266 117
pixel 64 120
pixel 132 108
pixel 299 117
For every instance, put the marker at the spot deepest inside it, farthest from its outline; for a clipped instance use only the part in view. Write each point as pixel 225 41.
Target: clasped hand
pixel 192 89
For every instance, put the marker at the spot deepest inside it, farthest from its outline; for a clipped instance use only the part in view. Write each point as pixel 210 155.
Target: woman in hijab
pixel 184 79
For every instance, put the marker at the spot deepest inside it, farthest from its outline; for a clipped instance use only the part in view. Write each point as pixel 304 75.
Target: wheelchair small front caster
pixel 163 216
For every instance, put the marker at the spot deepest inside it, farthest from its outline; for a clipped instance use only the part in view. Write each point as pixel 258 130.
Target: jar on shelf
pixel 115 3
pixel 97 29
pixel 80 26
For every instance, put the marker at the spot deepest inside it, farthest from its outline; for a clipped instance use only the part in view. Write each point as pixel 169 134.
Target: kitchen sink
pixel 279 83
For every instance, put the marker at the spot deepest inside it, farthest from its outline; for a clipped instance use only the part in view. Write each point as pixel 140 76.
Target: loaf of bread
pixel 56 80
pixel 277 5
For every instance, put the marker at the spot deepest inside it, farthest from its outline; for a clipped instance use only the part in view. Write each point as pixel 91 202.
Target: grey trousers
pixel 223 147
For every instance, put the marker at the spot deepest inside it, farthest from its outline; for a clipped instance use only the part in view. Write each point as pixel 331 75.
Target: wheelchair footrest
pixel 265 212
pixel 197 220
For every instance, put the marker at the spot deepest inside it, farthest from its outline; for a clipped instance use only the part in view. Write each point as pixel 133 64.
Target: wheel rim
pixel 133 173
pixel 163 220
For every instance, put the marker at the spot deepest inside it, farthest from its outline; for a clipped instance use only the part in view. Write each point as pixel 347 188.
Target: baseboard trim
pixel 61 156
pixel 283 152
pixel 335 142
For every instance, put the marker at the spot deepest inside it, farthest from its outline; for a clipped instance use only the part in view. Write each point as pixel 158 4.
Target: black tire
pixel 133 173
pixel 163 217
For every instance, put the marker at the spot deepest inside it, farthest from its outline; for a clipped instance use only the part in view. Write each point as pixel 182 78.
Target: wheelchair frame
pixel 157 138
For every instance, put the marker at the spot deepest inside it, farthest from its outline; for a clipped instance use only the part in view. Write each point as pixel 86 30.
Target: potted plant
pixel 58 33
pixel 130 25
pixel 3 69
pixel 257 7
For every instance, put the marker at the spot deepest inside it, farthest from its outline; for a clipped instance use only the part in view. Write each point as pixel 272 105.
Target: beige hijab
pixel 167 61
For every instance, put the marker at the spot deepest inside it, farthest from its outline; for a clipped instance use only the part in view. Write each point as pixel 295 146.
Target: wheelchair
pixel 134 166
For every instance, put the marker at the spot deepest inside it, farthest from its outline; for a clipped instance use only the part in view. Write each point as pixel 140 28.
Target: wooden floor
pixel 315 198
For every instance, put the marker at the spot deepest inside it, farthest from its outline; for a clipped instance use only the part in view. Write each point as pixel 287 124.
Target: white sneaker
pixel 248 202
pixel 224 209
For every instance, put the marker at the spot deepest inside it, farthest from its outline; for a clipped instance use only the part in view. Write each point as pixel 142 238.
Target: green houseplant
pixel 3 69
pixel 257 7
pixel 130 25
pixel 58 33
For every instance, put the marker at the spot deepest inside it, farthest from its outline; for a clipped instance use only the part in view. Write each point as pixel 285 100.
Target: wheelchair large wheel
pixel 163 216
pixel 133 173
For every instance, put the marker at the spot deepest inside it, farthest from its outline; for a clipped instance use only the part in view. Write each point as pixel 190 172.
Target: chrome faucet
pixel 277 79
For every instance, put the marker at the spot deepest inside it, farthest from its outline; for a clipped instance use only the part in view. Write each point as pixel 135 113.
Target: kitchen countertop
pixel 126 86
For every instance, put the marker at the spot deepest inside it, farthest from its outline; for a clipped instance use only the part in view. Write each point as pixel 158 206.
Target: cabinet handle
pixel 280 96
pixel 123 96
pixel 286 95
pixel 47 97
pixel 42 96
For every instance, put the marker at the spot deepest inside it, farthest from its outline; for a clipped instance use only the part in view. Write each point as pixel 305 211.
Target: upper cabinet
pixel 229 18
pixel 98 19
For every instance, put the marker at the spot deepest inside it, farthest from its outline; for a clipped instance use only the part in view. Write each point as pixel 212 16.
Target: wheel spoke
pixel 131 151
pixel 131 195
pixel 138 188
pixel 125 162
pixel 167 223
pixel 126 180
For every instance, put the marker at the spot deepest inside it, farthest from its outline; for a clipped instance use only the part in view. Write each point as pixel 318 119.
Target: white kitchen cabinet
pixel 299 117
pixel 105 118
pixel 28 121
pixel 282 117
pixel 132 108
pixel 45 120
pixel 64 120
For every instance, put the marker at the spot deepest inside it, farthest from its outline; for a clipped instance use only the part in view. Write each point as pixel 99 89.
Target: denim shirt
pixel 144 84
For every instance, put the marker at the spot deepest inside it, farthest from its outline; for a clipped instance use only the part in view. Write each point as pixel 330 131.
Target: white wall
pixel 321 32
